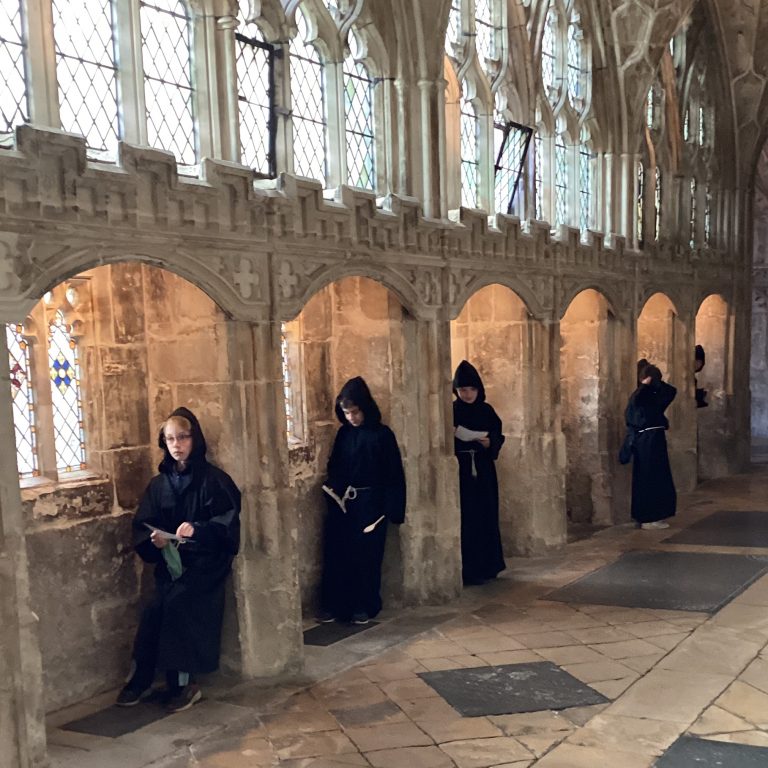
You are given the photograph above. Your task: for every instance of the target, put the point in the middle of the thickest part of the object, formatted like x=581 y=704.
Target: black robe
x=365 y=457
x=181 y=626
x=653 y=489
x=481 y=552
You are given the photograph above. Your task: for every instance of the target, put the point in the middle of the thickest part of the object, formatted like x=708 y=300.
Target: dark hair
x=356 y=392
x=653 y=372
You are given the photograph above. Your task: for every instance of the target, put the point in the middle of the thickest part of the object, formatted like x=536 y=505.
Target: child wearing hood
x=364 y=491
x=180 y=629
x=478 y=440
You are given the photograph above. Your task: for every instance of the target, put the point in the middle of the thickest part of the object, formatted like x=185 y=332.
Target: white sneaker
x=655 y=526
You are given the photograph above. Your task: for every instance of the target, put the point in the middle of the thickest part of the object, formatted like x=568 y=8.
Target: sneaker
x=360 y=618
x=184 y=698
x=130 y=697
x=325 y=617
x=655 y=526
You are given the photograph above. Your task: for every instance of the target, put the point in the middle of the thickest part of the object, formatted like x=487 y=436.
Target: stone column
x=427 y=145
x=226 y=74
x=22 y=718
x=253 y=445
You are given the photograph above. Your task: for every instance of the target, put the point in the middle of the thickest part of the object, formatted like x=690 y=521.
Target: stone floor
x=663 y=674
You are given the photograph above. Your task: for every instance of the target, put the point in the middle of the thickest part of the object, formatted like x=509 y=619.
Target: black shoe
x=130 y=696
x=360 y=618
x=324 y=617
x=184 y=698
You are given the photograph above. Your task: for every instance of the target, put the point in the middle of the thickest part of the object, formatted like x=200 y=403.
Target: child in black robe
x=180 y=629
x=482 y=557
x=654 y=498
x=365 y=491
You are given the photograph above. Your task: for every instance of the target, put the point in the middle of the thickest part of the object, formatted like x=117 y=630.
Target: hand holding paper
x=468 y=435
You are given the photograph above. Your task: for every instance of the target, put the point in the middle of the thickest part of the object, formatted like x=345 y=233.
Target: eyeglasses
x=177 y=439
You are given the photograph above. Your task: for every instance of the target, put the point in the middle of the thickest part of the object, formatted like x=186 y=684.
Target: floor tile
x=704 y=753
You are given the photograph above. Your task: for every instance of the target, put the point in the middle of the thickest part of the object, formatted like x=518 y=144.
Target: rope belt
x=472 y=453
x=648 y=429
x=349 y=495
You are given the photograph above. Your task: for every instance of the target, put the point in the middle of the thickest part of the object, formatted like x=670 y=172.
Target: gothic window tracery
x=13 y=87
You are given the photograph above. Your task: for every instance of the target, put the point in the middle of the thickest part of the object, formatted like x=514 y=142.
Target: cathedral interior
x=236 y=208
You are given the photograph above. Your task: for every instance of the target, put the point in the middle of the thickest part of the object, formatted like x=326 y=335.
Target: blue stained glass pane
x=68 y=433
x=22 y=401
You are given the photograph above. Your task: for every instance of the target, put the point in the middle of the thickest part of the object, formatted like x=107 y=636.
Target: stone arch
x=520 y=289
x=609 y=293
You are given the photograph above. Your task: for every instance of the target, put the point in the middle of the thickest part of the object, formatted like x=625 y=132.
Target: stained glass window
x=692 y=239
x=86 y=72
x=484 y=43
x=511 y=144
x=585 y=188
x=68 y=433
x=168 y=90
x=454 y=26
x=13 y=92
x=640 y=202
x=548 y=55
x=469 y=164
x=538 y=177
x=22 y=401
x=561 y=181
x=576 y=63
x=657 y=204
x=254 y=98
x=358 y=110
x=309 y=107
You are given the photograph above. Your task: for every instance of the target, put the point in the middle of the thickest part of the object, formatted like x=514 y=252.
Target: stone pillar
x=22 y=719
x=427 y=145
x=682 y=435
x=226 y=72
x=253 y=445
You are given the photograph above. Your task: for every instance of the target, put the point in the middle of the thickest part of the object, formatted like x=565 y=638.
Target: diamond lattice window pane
x=454 y=27
x=576 y=68
x=538 y=160
x=468 y=154
x=309 y=108
x=253 y=98
x=13 y=92
x=168 y=91
x=561 y=181
x=358 y=109
x=484 y=32
x=548 y=54
x=68 y=433
x=585 y=188
x=511 y=143
x=22 y=401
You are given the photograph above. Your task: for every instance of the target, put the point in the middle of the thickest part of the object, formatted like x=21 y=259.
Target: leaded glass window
x=687 y=125
x=576 y=63
x=469 y=164
x=657 y=204
x=511 y=144
x=22 y=401
x=309 y=107
x=692 y=238
x=538 y=176
x=702 y=127
x=86 y=72
x=287 y=381
x=255 y=89
x=585 y=188
x=561 y=181
x=640 y=202
x=650 y=109
x=708 y=217
x=484 y=43
x=358 y=110
x=13 y=91
x=168 y=89
x=548 y=55
x=454 y=26
x=68 y=433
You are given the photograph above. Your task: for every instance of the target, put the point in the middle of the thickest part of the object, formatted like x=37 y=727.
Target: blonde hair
x=179 y=421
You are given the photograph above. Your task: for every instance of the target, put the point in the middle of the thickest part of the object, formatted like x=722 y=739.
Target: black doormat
x=726 y=529
x=115 y=721
x=511 y=689
x=328 y=634
x=688 y=752
x=679 y=581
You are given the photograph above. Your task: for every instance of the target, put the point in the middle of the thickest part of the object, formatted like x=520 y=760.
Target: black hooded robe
x=180 y=629
x=366 y=458
x=653 y=490
x=482 y=556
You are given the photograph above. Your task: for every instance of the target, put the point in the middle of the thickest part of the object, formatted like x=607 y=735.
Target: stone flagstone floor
x=362 y=703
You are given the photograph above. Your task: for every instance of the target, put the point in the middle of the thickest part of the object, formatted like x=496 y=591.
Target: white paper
x=468 y=435
x=165 y=534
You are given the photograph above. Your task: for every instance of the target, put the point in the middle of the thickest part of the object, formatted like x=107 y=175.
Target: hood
x=466 y=375
x=357 y=392
x=199 y=447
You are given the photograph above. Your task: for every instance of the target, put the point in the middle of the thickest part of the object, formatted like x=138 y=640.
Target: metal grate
x=13 y=92
x=22 y=401
x=68 y=433
x=309 y=107
x=255 y=99
x=468 y=150
x=358 y=108
x=168 y=90
x=512 y=141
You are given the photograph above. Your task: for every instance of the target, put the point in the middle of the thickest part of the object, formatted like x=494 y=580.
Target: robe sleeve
x=666 y=394
x=393 y=478
x=334 y=469
x=494 y=434
x=221 y=501
x=147 y=513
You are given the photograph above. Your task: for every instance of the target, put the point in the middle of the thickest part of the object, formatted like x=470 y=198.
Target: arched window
x=650 y=109
x=640 y=234
x=484 y=31
x=453 y=33
x=657 y=204
x=549 y=55
x=86 y=72
x=22 y=401
x=702 y=137
x=687 y=124
x=309 y=116
x=561 y=181
x=358 y=110
x=69 y=436
x=469 y=164
x=13 y=91
x=168 y=89
x=576 y=63
x=708 y=217
x=255 y=99
x=511 y=145
x=692 y=238
x=585 y=186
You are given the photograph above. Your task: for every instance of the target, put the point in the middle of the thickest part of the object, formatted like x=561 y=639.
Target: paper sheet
x=165 y=534
x=468 y=435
